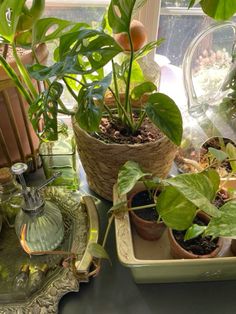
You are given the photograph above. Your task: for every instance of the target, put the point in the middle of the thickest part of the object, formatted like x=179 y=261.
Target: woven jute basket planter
x=18 y=141
x=102 y=161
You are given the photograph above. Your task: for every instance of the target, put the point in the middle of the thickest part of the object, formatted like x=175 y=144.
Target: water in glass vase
x=60 y=156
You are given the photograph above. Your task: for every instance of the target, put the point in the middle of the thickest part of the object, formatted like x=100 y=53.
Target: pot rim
x=186 y=253
x=163 y=138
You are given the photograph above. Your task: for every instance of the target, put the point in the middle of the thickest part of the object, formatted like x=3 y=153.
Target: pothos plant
x=80 y=60
x=182 y=197
x=177 y=202
x=22 y=26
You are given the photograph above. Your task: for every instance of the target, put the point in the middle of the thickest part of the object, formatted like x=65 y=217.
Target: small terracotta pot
x=177 y=251
x=233 y=246
x=146 y=229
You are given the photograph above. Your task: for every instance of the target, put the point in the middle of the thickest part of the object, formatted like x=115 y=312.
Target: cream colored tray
x=151 y=262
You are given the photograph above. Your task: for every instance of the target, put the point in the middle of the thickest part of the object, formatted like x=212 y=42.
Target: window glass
x=178 y=26
x=90 y=15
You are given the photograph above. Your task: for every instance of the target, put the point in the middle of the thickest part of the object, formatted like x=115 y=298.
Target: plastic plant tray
x=151 y=261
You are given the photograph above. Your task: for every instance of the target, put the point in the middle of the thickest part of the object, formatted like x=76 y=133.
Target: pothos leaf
x=98 y=251
x=175 y=210
x=165 y=114
x=141 y=89
x=198 y=189
x=128 y=176
x=194 y=231
x=231 y=151
x=225 y=225
x=214 y=177
x=218 y=154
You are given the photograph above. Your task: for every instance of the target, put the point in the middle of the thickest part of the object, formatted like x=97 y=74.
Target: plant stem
x=48 y=82
x=110 y=220
x=116 y=89
x=122 y=108
x=25 y=74
x=127 y=100
x=142 y=207
x=5 y=51
x=14 y=77
x=109 y=111
x=70 y=89
x=73 y=78
x=138 y=125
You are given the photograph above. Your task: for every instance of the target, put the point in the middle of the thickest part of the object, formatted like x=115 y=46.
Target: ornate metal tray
x=65 y=271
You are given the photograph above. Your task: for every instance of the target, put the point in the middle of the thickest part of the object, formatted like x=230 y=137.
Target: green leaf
x=46 y=106
x=15 y=79
x=10 y=11
x=86 y=50
x=88 y=114
x=165 y=114
x=98 y=251
x=193 y=3
x=153 y=183
x=118 y=208
x=142 y=52
x=214 y=177
x=128 y=176
x=42 y=72
x=198 y=189
x=218 y=154
x=219 y=9
x=52 y=28
x=225 y=225
x=120 y=13
x=175 y=210
x=231 y=151
x=141 y=89
x=194 y=231
x=29 y=16
x=90 y=101
x=24 y=39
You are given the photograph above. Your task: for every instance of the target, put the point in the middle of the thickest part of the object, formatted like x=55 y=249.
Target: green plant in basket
x=81 y=57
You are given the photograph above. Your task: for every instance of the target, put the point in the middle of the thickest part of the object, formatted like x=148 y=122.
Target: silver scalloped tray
x=81 y=228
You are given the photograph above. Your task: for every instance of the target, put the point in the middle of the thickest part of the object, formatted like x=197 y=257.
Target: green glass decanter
x=39 y=225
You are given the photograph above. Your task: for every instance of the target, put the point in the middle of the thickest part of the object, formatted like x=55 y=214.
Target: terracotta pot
x=18 y=141
x=177 y=251
x=233 y=246
x=102 y=161
x=146 y=229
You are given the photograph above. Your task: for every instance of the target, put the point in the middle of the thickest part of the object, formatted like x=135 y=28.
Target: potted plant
x=180 y=201
x=22 y=38
x=107 y=136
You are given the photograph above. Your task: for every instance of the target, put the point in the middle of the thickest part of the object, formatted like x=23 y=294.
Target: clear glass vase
x=209 y=69
x=61 y=156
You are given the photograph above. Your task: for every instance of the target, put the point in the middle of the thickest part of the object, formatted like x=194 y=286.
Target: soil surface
x=115 y=132
x=199 y=245
x=9 y=56
x=221 y=198
x=141 y=199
